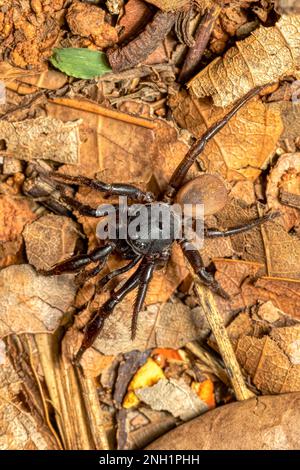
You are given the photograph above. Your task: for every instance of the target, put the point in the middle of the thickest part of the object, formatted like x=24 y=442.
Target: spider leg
x=75 y=263
x=198 y=147
x=118 y=189
x=96 y=323
x=197 y=264
x=117 y=272
x=145 y=280
x=214 y=233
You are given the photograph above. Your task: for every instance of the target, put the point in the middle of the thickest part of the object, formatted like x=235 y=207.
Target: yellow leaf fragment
x=149 y=374
x=267 y=55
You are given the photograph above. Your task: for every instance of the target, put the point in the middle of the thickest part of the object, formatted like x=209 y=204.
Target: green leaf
x=80 y=63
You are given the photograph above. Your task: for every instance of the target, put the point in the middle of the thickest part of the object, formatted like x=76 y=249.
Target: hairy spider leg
x=195 y=260
x=114 y=189
x=116 y=273
x=75 y=263
x=181 y=171
x=144 y=282
x=214 y=233
x=96 y=323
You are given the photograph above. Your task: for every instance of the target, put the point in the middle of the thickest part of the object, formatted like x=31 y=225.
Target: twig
x=195 y=53
x=83 y=105
x=144 y=44
x=215 y=321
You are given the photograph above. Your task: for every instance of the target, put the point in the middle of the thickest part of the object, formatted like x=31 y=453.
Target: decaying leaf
x=174 y=396
x=170 y=325
x=270 y=357
x=15 y=213
x=246 y=286
x=285 y=176
x=267 y=423
x=49 y=240
x=20 y=429
x=244 y=147
x=32 y=303
x=270 y=53
x=44 y=138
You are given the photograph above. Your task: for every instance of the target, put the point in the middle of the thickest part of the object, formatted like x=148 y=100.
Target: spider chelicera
x=148 y=253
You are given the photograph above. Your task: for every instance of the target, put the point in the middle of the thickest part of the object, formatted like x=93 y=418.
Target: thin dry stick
x=215 y=321
x=101 y=111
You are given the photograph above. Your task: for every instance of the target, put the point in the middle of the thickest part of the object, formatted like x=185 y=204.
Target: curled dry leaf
x=271 y=358
x=32 y=303
x=15 y=213
x=19 y=429
x=246 y=285
x=174 y=396
x=244 y=147
x=285 y=176
x=267 y=423
x=49 y=240
x=44 y=138
x=270 y=53
x=89 y=21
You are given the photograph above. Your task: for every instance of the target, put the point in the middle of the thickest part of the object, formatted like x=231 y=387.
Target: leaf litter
x=135 y=126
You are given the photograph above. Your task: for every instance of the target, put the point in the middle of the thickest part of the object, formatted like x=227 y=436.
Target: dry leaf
x=244 y=147
x=284 y=175
x=136 y=15
x=43 y=138
x=174 y=396
x=170 y=325
x=282 y=251
x=19 y=428
x=49 y=240
x=270 y=359
x=32 y=303
x=15 y=213
x=270 y=53
x=243 y=283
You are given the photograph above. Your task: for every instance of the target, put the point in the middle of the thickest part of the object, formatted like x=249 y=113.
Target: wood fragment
x=101 y=111
x=289 y=199
x=215 y=321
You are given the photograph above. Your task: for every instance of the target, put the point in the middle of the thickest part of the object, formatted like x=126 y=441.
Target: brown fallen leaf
x=22 y=423
x=282 y=251
x=245 y=284
x=26 y=140
x=174 y=396
x=270 y=53
x=284 y=176
x=15 y=213
x=271 y=358
x=32 y=303
x=244 y=147
x=170 y=325
x=49 y=240
x=136 y=15
x=267 y=423
x=290 y=116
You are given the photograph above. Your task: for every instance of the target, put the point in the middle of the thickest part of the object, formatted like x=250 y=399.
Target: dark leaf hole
x=3 y=145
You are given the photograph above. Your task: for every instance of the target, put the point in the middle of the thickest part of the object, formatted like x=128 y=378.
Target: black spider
x=149 y=251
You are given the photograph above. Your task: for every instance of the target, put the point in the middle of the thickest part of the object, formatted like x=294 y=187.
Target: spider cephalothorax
x=149 y=247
